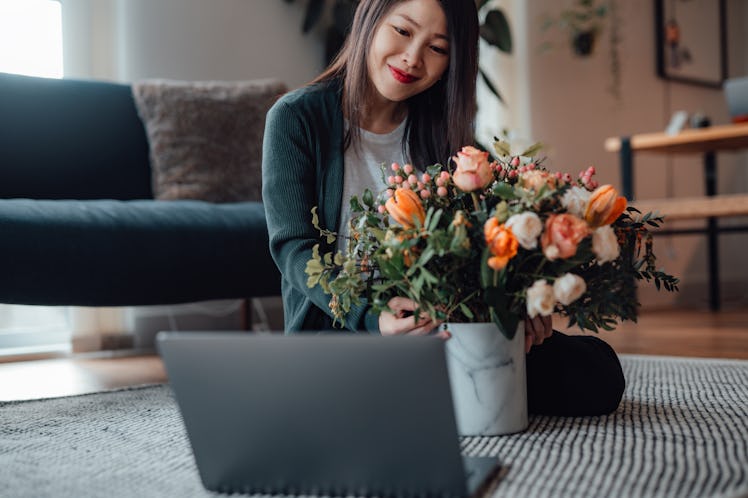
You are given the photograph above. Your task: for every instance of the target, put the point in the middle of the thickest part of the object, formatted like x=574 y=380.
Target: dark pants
x=573 y=375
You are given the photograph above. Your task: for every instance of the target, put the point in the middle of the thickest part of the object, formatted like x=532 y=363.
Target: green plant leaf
x=368 y=198
x=505 y=191
x=532 y=150
x=466 y=311
x=495 y=30
x=490 y=85
x=312 y=15
x=502 y=148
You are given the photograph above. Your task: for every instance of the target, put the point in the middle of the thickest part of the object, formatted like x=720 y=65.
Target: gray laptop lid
x=322 y=414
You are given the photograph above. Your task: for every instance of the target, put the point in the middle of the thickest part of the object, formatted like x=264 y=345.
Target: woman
x=402 y=89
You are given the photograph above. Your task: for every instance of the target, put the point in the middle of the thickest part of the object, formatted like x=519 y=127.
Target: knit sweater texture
x=303 y=167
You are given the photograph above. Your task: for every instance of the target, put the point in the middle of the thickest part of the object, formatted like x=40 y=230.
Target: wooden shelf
x=692 y=141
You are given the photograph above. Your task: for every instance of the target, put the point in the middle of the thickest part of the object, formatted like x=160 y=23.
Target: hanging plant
x=583 y=25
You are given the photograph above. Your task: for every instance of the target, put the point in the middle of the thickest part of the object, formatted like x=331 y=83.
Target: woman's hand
x=537 y=330
x=401 y=321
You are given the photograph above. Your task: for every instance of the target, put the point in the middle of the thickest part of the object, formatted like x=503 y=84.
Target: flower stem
x=476 y=202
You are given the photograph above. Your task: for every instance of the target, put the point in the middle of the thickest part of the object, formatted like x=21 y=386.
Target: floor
x=674 y=333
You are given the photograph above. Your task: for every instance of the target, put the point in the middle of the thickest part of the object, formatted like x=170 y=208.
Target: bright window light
x=31 y=37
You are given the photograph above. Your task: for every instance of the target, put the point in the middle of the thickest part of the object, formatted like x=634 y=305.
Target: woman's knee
x=574 y=375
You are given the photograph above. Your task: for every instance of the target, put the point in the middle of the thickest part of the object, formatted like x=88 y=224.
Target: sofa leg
x=247 y=314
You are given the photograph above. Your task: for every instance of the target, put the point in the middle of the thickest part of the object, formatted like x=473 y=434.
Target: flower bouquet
x=492 y=241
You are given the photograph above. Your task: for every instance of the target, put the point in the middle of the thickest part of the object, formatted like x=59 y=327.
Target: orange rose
x=604 y=206
x=562 y=235
x=501 y=242
x=405 y=207
x=473 y=170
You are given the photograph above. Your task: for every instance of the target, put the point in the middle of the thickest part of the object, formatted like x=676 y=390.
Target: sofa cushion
x=126 y=253
x=71 y=139
x=206 y=137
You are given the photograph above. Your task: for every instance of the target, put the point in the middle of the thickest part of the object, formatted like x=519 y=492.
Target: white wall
x=127 y=40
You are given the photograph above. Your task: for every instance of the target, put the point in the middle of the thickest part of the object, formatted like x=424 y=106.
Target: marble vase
x=488 y=379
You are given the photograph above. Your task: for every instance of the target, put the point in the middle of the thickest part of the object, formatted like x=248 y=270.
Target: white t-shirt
x=362 y=170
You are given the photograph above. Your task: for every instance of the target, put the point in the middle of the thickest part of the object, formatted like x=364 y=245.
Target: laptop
x=736 y=95
x=325 y=414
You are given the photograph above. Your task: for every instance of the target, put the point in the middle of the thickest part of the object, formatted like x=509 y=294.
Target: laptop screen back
x=323 y=414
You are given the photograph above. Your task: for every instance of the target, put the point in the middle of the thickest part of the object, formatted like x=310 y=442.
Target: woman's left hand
x=537 y=330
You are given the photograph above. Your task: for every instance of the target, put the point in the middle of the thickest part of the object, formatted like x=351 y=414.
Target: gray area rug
x=681 y=430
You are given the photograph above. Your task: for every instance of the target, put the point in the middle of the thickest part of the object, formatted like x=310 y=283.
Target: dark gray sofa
x=78 y=222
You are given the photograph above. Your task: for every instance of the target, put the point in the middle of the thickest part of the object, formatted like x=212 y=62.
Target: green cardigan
x=302 y=167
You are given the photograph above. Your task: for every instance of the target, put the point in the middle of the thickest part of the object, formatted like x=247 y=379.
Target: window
x=31 y=37
x=33 y=329
x=31 y=44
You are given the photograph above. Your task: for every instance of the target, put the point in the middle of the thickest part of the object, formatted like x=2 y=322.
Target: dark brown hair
x=440 y=119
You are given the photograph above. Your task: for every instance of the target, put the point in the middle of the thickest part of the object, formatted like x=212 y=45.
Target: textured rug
x=681 y=430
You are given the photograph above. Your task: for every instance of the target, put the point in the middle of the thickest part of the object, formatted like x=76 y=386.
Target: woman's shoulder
x=314 y=97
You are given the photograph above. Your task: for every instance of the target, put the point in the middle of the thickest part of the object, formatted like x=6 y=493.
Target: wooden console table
x=705 y=141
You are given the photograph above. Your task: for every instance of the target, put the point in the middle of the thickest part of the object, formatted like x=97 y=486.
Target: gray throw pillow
x=206 y=137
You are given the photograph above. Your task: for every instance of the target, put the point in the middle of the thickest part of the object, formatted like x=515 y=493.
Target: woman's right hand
x=400 y=321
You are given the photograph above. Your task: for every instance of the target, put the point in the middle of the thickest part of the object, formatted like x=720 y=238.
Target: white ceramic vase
x=488 y=379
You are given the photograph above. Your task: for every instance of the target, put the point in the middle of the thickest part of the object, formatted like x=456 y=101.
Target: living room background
x=558 y=97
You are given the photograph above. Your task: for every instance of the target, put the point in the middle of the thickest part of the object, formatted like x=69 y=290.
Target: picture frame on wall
x=691 y=41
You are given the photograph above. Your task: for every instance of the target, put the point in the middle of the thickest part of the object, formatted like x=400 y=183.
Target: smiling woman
x=31 y=37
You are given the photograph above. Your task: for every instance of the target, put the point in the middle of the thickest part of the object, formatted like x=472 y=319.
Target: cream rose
x=473 y=170
x=540 y=299
x=568 y=288
x=605 y=244
x=527 y=227
x=575 y=200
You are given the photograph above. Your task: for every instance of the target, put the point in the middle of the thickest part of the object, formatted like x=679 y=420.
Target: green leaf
x=429 y=277
x=532 y=150
x=495 y=30
x=490 y=85
x=313 y=13
x=506 y=321
x=355 y=205
x=502 y=148
x=505 y=191
x=368 y=198
x=466 y=311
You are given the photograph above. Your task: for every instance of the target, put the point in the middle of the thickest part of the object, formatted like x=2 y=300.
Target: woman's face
x=409 y=51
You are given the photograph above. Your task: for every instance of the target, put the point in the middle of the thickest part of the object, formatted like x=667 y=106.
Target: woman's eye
x=400 y=31
x=440 y=50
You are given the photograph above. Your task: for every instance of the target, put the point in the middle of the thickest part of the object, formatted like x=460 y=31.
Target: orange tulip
x=501 y=242
x=405 y=207
x=604 y=206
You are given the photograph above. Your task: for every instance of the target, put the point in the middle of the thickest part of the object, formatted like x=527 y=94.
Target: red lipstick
x=402 y=76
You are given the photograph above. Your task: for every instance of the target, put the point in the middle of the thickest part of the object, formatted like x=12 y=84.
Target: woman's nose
x=413 y=55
